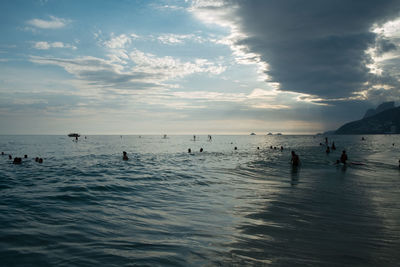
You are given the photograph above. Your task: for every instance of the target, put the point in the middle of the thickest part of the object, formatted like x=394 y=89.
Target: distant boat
x=278 y=134
x=252 y=134
x=269 y=134
x=74 y=135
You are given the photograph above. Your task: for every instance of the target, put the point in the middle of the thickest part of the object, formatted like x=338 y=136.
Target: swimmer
x=17 y=160
x=258 y=148
x=194 y=138
x=326 y=140
x=125 y=156
x=25 y=156
x=333 y=146
x=275 y=147
x=9 y=157
x=189 y=150
x=40 y=161
x=295 y=159
x=235 y=148
x=2 y=153
x=362 y=139
x=201 y=149
x=343 y=157
x=328 y=150
x=36 y=159
x=281 y=148
x=270 y=147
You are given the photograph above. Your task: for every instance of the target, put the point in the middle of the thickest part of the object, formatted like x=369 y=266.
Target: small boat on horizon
x=252 y=134
x=74 y=135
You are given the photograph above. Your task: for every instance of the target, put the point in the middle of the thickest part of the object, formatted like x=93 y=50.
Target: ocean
x=85 y=206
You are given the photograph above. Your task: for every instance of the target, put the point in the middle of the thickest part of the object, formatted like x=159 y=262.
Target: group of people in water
x=295 y=160
x=18 y=160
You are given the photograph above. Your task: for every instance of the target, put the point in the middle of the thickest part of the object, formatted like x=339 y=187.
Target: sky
x=195 y=67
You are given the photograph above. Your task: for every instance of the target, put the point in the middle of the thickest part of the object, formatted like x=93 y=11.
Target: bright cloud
x=173 y=39
x=47 y=45
x=120 y=41
x=52 y=23
x=143 y=71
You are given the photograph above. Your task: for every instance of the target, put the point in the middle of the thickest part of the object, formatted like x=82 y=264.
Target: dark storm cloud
x=314 y=47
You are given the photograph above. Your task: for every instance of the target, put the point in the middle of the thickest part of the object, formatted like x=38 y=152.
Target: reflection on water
x=85 y=205
x=294 y=175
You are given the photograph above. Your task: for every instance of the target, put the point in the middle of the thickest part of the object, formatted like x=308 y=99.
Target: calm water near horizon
x=85 y=206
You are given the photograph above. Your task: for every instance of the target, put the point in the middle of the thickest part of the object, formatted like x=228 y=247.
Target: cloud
x=308 y=47
x=52 y=23
x=136 y=72
x=174 y=39
x=120 y=41
x=46 y=45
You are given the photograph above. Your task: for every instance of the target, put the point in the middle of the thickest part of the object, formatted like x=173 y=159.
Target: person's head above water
x=189 y=150
x=201 y=149
x=17 y=160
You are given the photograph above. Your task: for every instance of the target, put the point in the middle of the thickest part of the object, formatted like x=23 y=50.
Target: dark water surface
x=84 y=206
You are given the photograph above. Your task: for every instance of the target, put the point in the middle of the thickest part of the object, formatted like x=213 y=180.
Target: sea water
x=85 y=206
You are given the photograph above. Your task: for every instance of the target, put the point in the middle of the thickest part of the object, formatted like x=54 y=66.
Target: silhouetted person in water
x=194 y=138
x=270 y=147
x=295 y=159
x=9 y=157
x=40 y=161
x=125 y=156
x=343 y=157
x=17 y=160
x=281 y=148
x=258 y=148
x=275 y=147
x=2 y=153
x=363 y=139
x=189 y=150
x=235 y=147
x=37 y=159
x=328 y=150
x=25 y=156
x=76 y=138
x=326 y=140
x=333 y=146
x=201 y=149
